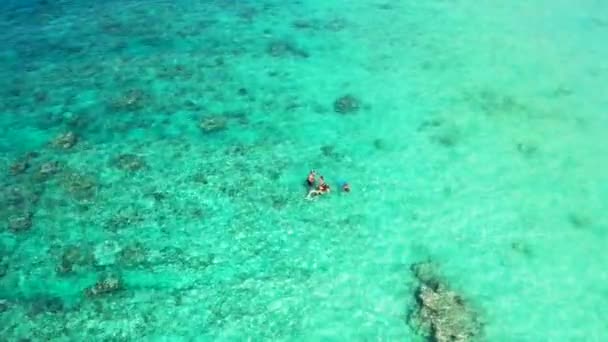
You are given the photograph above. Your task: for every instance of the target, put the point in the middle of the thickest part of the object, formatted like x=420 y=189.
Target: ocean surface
x=153 y=157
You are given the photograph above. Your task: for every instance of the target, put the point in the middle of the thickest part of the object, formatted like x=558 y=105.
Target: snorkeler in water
x=345 y=186
x=310 y=180
x=322 y=188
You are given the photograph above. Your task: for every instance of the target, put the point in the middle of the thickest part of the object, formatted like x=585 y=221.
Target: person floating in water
x=322 y=189
x=345 y=186
x=310 y=180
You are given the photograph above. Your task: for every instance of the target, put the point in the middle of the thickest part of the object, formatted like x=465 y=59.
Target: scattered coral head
x=19 y=167
x=48 y=169
x=72 y=257
x=282 y=49
x=132 y=255
x=20 y=223
x=105 y=285
x=213 y=124
x=441 y=314
x=347 y=104
x=131 y=100
x=80 y=186
x=65 y=140
x=128 y=162
x=22 y=164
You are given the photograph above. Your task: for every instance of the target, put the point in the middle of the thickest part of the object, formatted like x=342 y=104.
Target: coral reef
x=72 y=258
x=65 y=140
x=106 y=253
x=19 y=202
x=80 y=186
x=125 y=217
x=441 y=314
x=132 y=255
x=45 y=304
x=448 y=137
x=579 y=220
x=128 y=162
x=526 y=149
x=283 y=49
x=20 y=223
x=19 y=167
x=106 y=284
x=130 y=101
x=330 y=152
x=379 y=144
x=213 y=124
x=48 y=169
x=3 y=267
x=522 y=248
x=347 y=104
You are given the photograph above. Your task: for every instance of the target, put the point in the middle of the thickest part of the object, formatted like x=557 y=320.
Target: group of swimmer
x=322 y=188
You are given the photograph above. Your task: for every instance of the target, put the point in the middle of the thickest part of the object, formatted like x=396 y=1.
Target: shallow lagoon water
x=478 y=143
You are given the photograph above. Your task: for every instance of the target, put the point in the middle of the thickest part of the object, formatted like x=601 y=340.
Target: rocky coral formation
x=65 y=141
x=347 y=104
x=128 y=162
x=330 y=152
x=379 y=144
x=106 y=253
x=132 y=255
x=124 y=218
x=22 y=164
x=17 y=205
x=130 y=100
x=3 y=267
x=19 y=167
x=213 y=124
x=441 y=314
x=106 y=284
x=80 y=186
x=281 y=48
x=20 y=223
x=48 y=169
x=45 y=304
x=73 y=257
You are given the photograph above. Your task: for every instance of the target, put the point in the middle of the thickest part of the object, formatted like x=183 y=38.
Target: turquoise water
x=477 y=142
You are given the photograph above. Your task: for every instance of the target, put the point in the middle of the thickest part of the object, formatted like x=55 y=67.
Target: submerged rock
x=45 y=304
x=526 y=149
x=128 y=162
x=130 y=100
x=282 y=49
x=20 y=223
x=22 y=164
x=330 y=152
x=3 y=268
x=124 y=218
x=48 y=169
x=65 y=141
x=19 y=167
x=80 y=186
x=73 y=257
x=106 y=253
x=379 y=144
x=17 y=207
x=213 y=124
x=105 y=285
x=347 y=104
x=441 y=314
x=132 y=255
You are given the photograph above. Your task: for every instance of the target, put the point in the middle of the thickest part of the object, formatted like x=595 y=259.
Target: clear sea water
x=479 y=143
